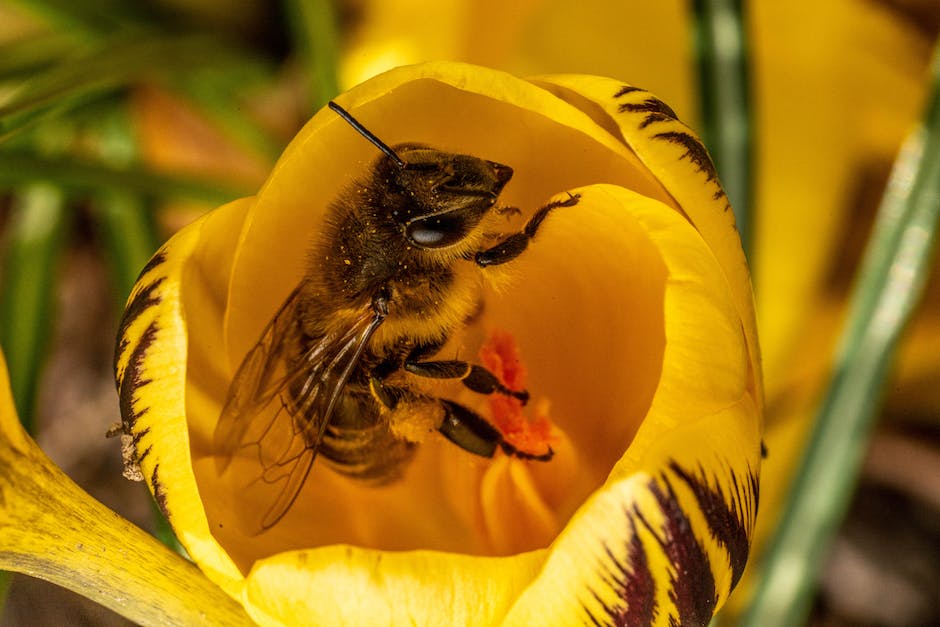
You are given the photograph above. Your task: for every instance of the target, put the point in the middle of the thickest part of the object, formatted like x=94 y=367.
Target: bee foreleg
x=515 y=244
x=474 y=377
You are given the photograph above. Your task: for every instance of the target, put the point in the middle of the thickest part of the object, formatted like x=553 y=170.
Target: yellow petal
x=680 y=161
x=152 y=367
x=689 y=477
x=51 y=529
x=343 y=585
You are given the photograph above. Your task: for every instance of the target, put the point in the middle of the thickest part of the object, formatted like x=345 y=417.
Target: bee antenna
x=378 y=143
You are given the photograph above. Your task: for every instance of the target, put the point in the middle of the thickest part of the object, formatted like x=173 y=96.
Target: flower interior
x=577 y=319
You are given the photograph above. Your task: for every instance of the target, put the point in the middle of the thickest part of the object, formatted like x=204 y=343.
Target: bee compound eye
x=437 y=231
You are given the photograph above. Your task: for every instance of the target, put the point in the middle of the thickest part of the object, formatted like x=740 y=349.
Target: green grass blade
x=121 y=215
x=721 y=50
x=114 y=63
x=313 y=26
x=34 y=241
x=19 y=166
x=211 y=93
x=22 y=57
x=128 y=234
x=891 y=281
x=91 y=17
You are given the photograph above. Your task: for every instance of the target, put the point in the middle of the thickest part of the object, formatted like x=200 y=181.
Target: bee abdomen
x=360 y=444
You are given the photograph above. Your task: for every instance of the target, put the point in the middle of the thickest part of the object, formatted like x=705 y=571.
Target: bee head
x=444 y=195
x=438 y=198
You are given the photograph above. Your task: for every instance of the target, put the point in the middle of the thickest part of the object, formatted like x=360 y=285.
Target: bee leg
x=388 y=395
x=515 y=244
x=471 y=432
x=461 y=425
x=474 y=377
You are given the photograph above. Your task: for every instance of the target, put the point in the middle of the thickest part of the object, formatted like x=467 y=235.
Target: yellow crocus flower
x=632 y=311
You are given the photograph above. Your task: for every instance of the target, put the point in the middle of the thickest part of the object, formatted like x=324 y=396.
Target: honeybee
x=394 y=273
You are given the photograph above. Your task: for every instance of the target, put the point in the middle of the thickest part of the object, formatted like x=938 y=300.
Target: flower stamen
x=531 y=434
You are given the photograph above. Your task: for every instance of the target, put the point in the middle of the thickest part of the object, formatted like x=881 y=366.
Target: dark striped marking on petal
x=131 y=350
x=158 y=259
x=656 y=110
x=144 y=298
x=695 y=152
x=139 y=435
x=635 y=583
x=133 y=379
x=130 y=381
x=627 y=89
x=140 y=456
x=692 y=582
x=730 y=517
x=159 y=491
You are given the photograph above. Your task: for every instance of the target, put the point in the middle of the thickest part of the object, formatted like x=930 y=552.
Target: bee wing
x=280 y=402
x=262 y=375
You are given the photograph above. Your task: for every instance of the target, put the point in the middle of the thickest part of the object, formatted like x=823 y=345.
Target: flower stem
x=891 y=281
x=721 y=50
